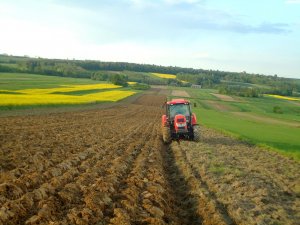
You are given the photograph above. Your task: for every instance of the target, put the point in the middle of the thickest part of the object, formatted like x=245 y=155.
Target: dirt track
x=109 y=166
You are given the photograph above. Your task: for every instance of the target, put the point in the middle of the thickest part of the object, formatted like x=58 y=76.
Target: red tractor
x=179 y=121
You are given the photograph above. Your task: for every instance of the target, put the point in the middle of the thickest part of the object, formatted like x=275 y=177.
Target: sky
x=257 y=36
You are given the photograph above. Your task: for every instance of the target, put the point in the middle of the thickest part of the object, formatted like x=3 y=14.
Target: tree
x=119 y=79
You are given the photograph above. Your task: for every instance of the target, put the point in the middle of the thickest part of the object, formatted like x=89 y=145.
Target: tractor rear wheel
x=166 y=135
x=196 y=132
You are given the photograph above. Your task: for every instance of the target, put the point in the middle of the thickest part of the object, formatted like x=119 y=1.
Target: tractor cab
x=179 y=121
x=175 y=108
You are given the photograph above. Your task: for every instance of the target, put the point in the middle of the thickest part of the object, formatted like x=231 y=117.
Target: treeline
x=206 y=80
x=60 y=67
x=241 y=91
x=284 y=88
x=47 y=68
x=243 y=84
x=139 y=73
x=104 y=71
x=130 y=76
x=118 y=79
x=252 y=91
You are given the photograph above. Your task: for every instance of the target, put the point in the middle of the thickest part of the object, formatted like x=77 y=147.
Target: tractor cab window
x=179 y=109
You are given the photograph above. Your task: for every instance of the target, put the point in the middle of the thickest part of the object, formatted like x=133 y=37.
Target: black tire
x=166 y=135
x=196 y=132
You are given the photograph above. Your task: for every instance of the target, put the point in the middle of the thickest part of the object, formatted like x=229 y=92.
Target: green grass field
x=17 y=81
x=251 y=119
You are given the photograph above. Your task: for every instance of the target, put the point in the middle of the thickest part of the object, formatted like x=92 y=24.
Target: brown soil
x=219 y=106
x=109 y=166
x=159 y=86
x=180 y=93
x=164 y=92
x=224 y=97
x=236 y=183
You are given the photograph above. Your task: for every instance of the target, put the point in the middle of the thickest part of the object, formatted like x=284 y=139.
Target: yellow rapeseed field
x=68 y=88
x=132 y=82
x=284 y=97
x=183 y=81
x=57 y=96
x=164 y=75
x=167 y=76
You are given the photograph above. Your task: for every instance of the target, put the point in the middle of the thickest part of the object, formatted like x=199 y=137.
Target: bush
x=277 y=109
x=119 y=79
x=139 y=86
x=239 y=90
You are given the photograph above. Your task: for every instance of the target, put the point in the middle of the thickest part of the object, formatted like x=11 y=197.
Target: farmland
x=109 y=166
x=284 y=97
x=35 y=90
x=136 y=112
x=15 y=81
x=165 y=76
x=251 y=119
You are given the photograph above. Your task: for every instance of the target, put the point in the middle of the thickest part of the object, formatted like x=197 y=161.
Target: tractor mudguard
x=194 y=119
x=164 y=121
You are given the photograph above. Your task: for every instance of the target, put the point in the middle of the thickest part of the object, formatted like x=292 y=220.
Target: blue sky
x=233 y=35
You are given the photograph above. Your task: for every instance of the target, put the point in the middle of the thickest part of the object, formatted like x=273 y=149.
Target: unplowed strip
x=243 y=184
x=209 y=208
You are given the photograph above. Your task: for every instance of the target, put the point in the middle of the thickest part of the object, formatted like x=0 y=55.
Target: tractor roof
x=178 y=101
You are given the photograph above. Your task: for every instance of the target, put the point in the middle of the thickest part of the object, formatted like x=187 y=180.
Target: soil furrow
x=187 y=207
x=221 y=208
x=240 y=175
x=109 y=166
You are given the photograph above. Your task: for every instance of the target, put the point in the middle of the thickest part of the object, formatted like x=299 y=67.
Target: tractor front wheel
x=196 y=132
x=166 y=135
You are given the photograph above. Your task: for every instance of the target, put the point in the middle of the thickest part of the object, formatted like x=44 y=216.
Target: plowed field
x=109 y=166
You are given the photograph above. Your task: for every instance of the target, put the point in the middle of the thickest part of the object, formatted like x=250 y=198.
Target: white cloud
x=35 y=39
x=167 y=32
